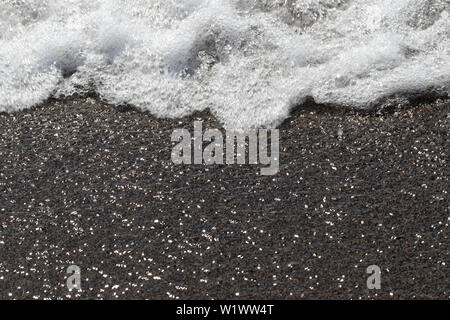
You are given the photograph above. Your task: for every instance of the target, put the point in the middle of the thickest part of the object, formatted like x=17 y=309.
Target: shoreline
x=90 y=184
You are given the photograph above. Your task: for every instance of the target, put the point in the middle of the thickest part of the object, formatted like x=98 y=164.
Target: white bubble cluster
x=248 y=61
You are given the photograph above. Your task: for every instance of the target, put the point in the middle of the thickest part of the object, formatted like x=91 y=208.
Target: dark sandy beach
x=85 y=183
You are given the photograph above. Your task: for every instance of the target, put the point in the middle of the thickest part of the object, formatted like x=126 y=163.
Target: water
x=248 y=61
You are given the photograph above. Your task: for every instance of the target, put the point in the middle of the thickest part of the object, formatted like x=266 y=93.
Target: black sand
x=89 y=184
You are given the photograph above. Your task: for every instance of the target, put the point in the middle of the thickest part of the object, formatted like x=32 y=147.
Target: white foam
x=249 y=61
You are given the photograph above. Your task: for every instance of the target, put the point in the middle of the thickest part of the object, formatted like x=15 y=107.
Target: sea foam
x=248 y=61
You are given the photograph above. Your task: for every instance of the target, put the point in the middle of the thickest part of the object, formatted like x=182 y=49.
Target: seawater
x=248 y=61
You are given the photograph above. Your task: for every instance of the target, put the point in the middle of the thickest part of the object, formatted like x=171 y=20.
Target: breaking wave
x=248 y=61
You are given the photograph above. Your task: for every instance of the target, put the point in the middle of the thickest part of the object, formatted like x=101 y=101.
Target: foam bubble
x=249 y=61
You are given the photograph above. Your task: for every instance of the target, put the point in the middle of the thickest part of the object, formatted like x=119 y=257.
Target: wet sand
x=85 y=183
